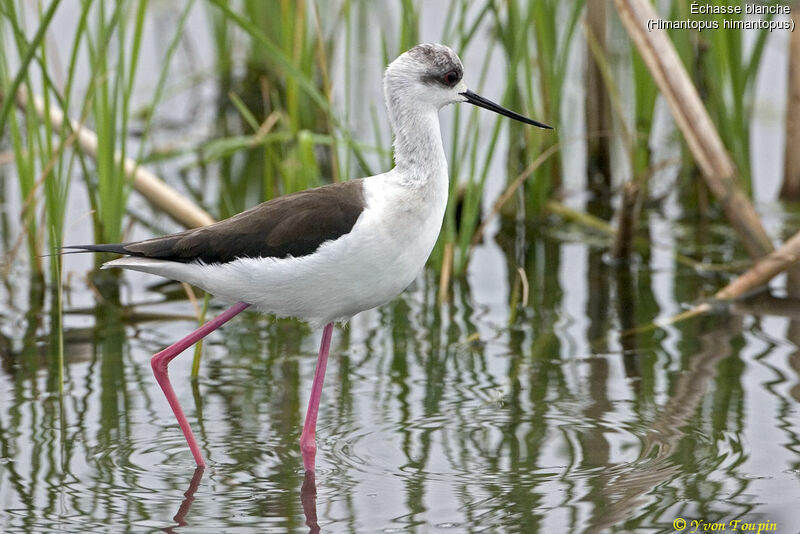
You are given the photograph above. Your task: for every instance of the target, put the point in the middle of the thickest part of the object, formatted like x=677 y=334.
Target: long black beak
x=485 y=103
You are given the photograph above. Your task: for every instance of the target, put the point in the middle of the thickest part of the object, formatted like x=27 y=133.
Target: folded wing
x=292 y=225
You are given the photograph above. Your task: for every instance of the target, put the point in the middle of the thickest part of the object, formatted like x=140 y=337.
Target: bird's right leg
x=161 y=360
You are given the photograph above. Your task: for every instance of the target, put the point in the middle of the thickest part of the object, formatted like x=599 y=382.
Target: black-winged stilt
x=325 y=254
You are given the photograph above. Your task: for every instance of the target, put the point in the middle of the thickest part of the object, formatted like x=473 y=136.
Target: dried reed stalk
x=689 y=113
x=763 y=271
x=150 y=186
x=790 y=190
x=755 y=277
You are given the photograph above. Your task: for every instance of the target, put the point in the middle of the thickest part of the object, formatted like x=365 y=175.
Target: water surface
x=434 y=418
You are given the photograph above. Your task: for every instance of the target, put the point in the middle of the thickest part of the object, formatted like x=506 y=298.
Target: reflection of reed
x=789 y=307
x=36 y=352
x=627 y=315
x=765 y=304
x=793 y=333
x=626 y=486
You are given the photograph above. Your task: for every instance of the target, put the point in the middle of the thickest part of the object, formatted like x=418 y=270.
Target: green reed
x=46 y=149
x=645 y=93
x=109 y=100
x=22 y=139
x=556 y=24
x=472 y=150
x=278 y=128
x=43 y=175
x=472 y=154
x=282 y=100
x=46 y=156
x=725 y=73
x=535 y=39
x=533 y=49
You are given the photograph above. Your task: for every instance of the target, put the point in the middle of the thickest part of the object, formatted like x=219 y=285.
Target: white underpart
x=385 y=250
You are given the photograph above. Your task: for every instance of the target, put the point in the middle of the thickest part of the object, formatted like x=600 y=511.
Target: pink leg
x=160 y=361
x=308 y=444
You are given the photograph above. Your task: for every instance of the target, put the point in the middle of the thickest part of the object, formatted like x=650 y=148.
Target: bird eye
x=450 y=78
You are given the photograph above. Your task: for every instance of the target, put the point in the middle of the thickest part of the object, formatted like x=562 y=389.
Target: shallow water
x=433 y=418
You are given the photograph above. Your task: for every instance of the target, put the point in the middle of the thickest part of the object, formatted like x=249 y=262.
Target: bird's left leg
x=160 y=361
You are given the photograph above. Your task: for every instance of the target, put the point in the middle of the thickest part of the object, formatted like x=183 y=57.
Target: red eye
x=451 y=78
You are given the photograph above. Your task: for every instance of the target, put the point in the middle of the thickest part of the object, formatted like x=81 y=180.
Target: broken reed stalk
x=790 y=190
x=689 y=113
x=627 y=217
x=757 y=276
x=763 y=271
x=155 y=190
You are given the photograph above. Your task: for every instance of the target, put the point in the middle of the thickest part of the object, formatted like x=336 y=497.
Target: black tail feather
x=118 y=248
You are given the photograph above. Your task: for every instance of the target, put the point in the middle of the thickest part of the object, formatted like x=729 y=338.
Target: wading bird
x=325 y=254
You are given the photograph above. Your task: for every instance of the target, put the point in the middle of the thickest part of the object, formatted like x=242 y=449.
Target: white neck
x=418 y=151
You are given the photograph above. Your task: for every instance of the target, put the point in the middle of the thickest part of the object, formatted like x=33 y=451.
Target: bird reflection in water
x=188 y=498
x=308 y=500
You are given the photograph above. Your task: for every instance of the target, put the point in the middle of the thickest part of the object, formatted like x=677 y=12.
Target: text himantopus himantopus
x=325 y=254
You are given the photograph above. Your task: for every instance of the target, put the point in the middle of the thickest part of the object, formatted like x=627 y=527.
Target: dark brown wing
x=292 y=225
